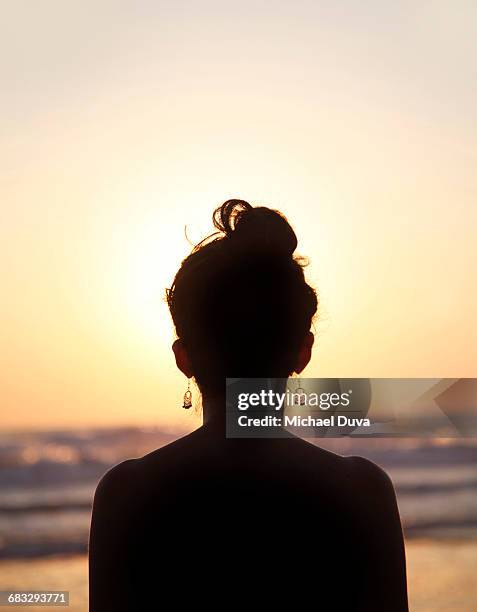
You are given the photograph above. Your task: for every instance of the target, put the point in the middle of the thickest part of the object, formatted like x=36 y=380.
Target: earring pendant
x=187 y=397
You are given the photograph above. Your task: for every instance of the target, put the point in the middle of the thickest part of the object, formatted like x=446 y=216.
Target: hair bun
x=258 y=228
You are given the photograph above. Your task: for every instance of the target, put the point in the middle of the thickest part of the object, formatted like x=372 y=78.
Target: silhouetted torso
x=208 y=520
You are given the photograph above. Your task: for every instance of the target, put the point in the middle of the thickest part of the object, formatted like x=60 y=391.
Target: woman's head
x=240 y=303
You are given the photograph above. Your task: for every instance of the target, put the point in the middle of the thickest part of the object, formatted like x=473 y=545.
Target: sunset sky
x=124 y=122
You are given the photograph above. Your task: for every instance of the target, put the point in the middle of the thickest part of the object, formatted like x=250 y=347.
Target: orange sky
x=123 y=124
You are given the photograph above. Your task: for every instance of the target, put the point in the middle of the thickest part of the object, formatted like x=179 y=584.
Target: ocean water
x=47 y=482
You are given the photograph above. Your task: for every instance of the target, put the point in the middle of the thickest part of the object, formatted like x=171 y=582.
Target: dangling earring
x=302 y=393
x=187 y=397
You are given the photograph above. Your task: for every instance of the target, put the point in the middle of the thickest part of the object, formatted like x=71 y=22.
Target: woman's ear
x=304 y=354
x=182 y=358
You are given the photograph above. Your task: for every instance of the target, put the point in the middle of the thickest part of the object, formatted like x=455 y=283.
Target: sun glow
x=115 y=146
x=150 y=259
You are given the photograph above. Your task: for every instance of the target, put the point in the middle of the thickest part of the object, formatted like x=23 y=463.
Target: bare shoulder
x=367 y=472
x=117 y=484
x=130 y=478
x=351 y=472
x=372 y=487
x=353 y=466
x=182 y=447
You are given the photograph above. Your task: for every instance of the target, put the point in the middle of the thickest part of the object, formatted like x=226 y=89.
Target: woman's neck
x=214 y=410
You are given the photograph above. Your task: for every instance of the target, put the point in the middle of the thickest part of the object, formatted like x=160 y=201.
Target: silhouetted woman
x=210 y=521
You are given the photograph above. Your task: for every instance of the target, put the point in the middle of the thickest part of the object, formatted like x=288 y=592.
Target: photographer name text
x=305 y=421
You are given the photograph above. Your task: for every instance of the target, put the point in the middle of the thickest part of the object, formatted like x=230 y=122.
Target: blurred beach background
x=123 y=126
x=47 y=480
